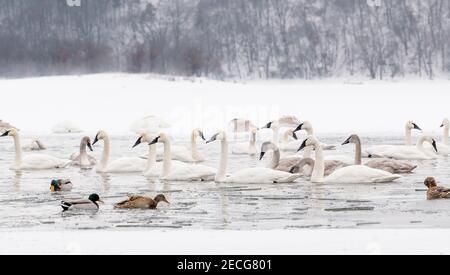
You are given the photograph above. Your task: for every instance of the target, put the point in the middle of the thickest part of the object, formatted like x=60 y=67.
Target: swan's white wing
x=262 y=175
x=154 y=171
x=360 y=174
x=42 y=162
x=126 y=165
x=190 y=172
x=377 y=151
x=179 y=153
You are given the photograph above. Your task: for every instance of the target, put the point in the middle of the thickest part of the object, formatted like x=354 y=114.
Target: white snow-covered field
x=114 y=101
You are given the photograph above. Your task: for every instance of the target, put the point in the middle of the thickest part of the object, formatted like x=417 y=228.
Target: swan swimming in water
x=83 y=159
x=122 y=165
x=404 y=152
x=249 y=175
x=389 y=165
x=33 y=161
x=248 y=148
x=35 y=145
x=443 y=147
x=153 y=168
x=349 y=174
x=288 y=145
x=275 y=127
x=180 y=171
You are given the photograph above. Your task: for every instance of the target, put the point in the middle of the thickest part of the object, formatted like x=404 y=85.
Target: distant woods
x=221 y=39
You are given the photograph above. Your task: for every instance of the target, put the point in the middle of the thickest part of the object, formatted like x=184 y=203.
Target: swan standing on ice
x=374 y=151
x=248 y=148
x=388 y=165
x=180 y=171
x=403 y=152
x=83 y=159
x=349 y=174
x=249 y=175
x=307 y=126
x=152 y=168
x=33 y=161
x=122 y=165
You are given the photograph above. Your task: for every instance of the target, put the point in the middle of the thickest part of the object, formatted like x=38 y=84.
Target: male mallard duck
x=436 y=192
x=90 y=204
x=141 y=202
x=61 y=185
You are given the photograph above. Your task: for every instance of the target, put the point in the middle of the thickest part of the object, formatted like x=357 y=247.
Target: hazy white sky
x=113 y=102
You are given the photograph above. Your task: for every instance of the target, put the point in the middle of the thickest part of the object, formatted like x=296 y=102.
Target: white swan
x=122 y=165
x=152 y=168
x=34 y=145
x=403 y=152
x=180 y=171
x=34 y=161
x=83 y=159
x=307 y=126
x=286 y=143
x=275 y=127
x=249 y=175
x=247 y=148
x=349 y=174
x=443 y=147
x=389 y=165
x=373 y=151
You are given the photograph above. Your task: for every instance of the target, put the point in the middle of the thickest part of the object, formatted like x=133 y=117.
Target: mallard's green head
x=54 y=186
x=95 y=198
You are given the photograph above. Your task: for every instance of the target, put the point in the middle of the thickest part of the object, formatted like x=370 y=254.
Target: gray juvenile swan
x=83 y=159
x=388 y=165
x=278 y=163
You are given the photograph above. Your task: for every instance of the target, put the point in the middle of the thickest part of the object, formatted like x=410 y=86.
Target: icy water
x=27 y=204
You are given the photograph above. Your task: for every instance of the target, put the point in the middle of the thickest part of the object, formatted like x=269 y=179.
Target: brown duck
x=141 y=202
x=434 y=191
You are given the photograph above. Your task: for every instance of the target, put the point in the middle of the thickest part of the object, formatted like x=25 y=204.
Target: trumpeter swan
x=349 y=174
x=249 y=175
x=121 y=165
x=443 y=147
x=33 y=161
x=404 y=152
x=83 y=159
x=389 y=165
x=152 y=168
x=180 y=171
x=307 y=126
x=247 y=148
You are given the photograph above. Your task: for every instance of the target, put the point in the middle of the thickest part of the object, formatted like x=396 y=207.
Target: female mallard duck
x=434 y=191
x=141 y=202
x=90 y=204
x=61 y=185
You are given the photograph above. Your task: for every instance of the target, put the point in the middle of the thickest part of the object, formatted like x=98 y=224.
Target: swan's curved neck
x=105 y=155
x=358 y=149
x=194 y=149
x=18 y=150
x=275 y=158
x=151 y=160
x=319 y=165
x=408 y=138
x=286 y=137
x=167 y=161
x=420 y=143
x=83 y=149
x=222 y=173
x=309 y=131
x=445 y=136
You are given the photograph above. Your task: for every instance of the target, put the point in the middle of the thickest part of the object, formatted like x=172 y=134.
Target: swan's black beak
x=95 y=140
x=139 y=141
x=156 y=140
x=416 y=127
x=90 y=146
x=435 y=145
x=261 y=156
x=268 y=126
x=294 y=135
x=347 y=141
x=202 y=136
x=212 y=139
x=303 y=146
x=299 y=128
x=5 y=134
x=442 y=125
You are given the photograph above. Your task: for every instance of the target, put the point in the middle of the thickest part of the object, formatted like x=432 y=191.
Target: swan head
x=290 y=133
x=266 y=147
x=198 y=133
x=86 y=141
x=101 y=135
x=95 y=198
x=162 y=138
x=161 y=198
x=271 y=125
x=430 y=182
x=143 y=138
x=305 y=126
x=445 y=123
x=220 y=136
x=352 y=139
x=411 y=125
x=10 y=133
x=430 y=140
x=310 y=141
